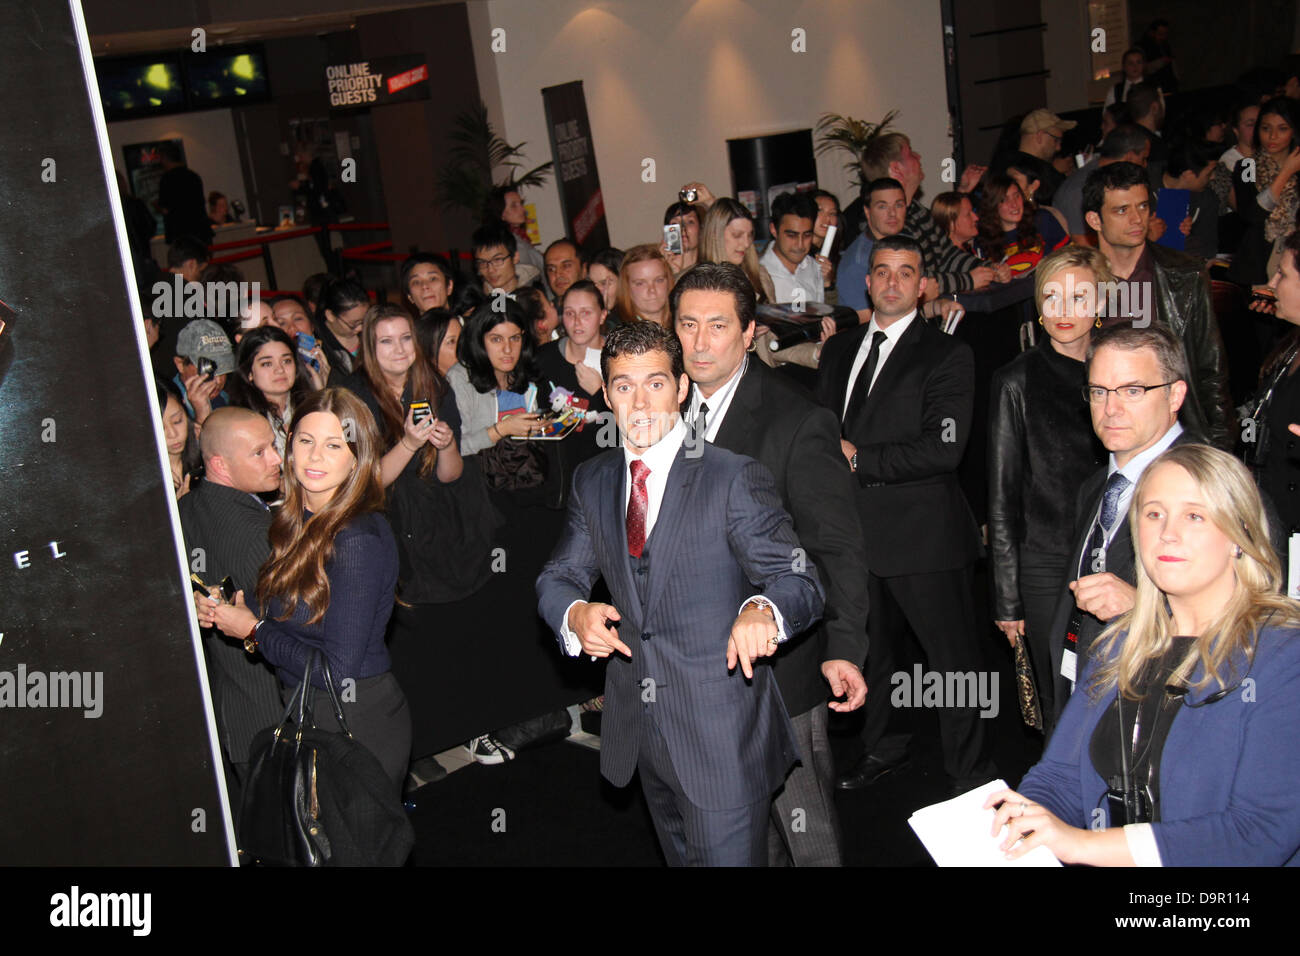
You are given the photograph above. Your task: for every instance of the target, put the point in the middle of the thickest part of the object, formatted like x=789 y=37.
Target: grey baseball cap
x=203 y=338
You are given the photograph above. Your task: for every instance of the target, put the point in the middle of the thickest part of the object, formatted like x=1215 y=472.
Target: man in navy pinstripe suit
x=707 y=578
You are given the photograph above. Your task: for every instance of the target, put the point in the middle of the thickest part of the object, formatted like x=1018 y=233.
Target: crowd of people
x=1034 y=370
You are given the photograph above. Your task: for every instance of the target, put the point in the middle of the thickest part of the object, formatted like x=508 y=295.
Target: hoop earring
x=1040 y=321
x=1098 y=322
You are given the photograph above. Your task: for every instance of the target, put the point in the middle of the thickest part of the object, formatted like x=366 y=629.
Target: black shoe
x=869 y=769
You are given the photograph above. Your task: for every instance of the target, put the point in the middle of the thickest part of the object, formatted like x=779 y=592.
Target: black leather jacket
x=1041 y=447
x=1183 y=303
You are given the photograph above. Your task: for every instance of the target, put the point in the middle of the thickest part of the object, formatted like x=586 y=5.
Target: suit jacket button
x=1290 y=486
x=646 y=636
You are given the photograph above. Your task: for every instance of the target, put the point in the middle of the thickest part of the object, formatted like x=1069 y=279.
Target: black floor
x=550 y=807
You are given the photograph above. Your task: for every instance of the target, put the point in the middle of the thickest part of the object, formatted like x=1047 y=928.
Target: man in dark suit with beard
x=747 y=408
x=904 y=392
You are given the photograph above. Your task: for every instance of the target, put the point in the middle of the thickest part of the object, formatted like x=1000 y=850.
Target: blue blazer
x=721 y=536
x=1229 y=775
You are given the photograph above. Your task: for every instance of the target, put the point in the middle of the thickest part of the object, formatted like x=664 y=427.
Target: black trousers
x=378 y=717
x=1041 y=578
x=939 y=607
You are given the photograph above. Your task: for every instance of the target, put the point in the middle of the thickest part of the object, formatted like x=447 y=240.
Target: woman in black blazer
x=1041 y=446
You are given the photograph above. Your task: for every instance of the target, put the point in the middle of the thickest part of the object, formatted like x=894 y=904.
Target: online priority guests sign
x=377 y=82
x=107 y=753
x=574 y=156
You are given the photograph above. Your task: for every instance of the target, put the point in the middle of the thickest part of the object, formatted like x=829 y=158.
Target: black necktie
x=863 y=385
x=702 y=421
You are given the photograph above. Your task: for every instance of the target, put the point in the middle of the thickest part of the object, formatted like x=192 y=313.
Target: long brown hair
x=647 y=252
x=300 y=549
x=426 y=382
x=992 y=237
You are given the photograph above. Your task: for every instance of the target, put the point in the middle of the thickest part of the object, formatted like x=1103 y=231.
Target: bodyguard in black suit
x=701 y=563
x=1137 y=382
x=225 y=527
x=904 y=392
x=747 y=408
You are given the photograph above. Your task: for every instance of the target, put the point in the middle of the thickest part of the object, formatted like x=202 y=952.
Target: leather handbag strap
x=334 y=697
x=315 y=658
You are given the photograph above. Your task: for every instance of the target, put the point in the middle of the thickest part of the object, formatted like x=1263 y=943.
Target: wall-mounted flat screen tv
x=227 y=76
x=135 y=86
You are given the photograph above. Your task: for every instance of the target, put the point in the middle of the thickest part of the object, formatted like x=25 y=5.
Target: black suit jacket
x=1121 y=561
x=230 y=528
x=910 y=434
x=780 y=426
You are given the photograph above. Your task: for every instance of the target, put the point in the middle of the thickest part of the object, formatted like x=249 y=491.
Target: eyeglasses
x=1128 y=394
x=495 y=261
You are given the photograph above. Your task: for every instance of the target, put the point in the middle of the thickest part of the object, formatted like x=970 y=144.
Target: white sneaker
x=488 y=750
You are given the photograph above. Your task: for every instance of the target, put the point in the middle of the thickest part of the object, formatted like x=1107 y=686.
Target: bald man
x=225 y=525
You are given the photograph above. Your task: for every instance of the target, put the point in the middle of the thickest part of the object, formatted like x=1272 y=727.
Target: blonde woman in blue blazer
x=1179 y=744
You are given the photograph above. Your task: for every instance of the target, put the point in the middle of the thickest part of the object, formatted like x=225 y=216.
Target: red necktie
x=637 y=505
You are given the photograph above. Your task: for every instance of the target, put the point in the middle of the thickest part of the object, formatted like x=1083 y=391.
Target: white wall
x=674 y=79
x=210 y=146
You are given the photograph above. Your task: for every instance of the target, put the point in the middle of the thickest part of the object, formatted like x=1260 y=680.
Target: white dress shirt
x=1133 y=472
x=659 y=459
x=1128 y=88
x=718 y=403
x=892 y=334
x=807 y=276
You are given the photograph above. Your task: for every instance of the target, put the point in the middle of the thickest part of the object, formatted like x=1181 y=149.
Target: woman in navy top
x=1178 y=747
x=331 y=578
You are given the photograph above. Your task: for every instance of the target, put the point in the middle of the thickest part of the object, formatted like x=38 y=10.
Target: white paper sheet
x=956 y=832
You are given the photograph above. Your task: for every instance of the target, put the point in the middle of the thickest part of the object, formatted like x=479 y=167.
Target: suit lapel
x=746 y=407
x=895 y=365
x=672 y=510
x=845 y=369
x=1121 y=546
x=615 y=526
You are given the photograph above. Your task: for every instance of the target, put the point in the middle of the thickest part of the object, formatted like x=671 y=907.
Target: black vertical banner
x=106 y=731
x=575 y=165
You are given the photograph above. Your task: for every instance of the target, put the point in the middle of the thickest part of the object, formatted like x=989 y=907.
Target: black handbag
x=512 y=465
x=319 y=798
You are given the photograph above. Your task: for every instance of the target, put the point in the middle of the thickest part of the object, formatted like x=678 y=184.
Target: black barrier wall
x=106 y=752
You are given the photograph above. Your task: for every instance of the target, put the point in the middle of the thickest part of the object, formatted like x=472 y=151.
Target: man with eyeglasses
x=496 y=260
x=1137 y=381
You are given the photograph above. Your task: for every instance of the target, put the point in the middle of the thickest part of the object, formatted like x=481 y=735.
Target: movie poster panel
x=106 y=733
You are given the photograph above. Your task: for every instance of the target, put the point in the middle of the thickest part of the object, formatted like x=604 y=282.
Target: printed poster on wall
x=574 y=156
